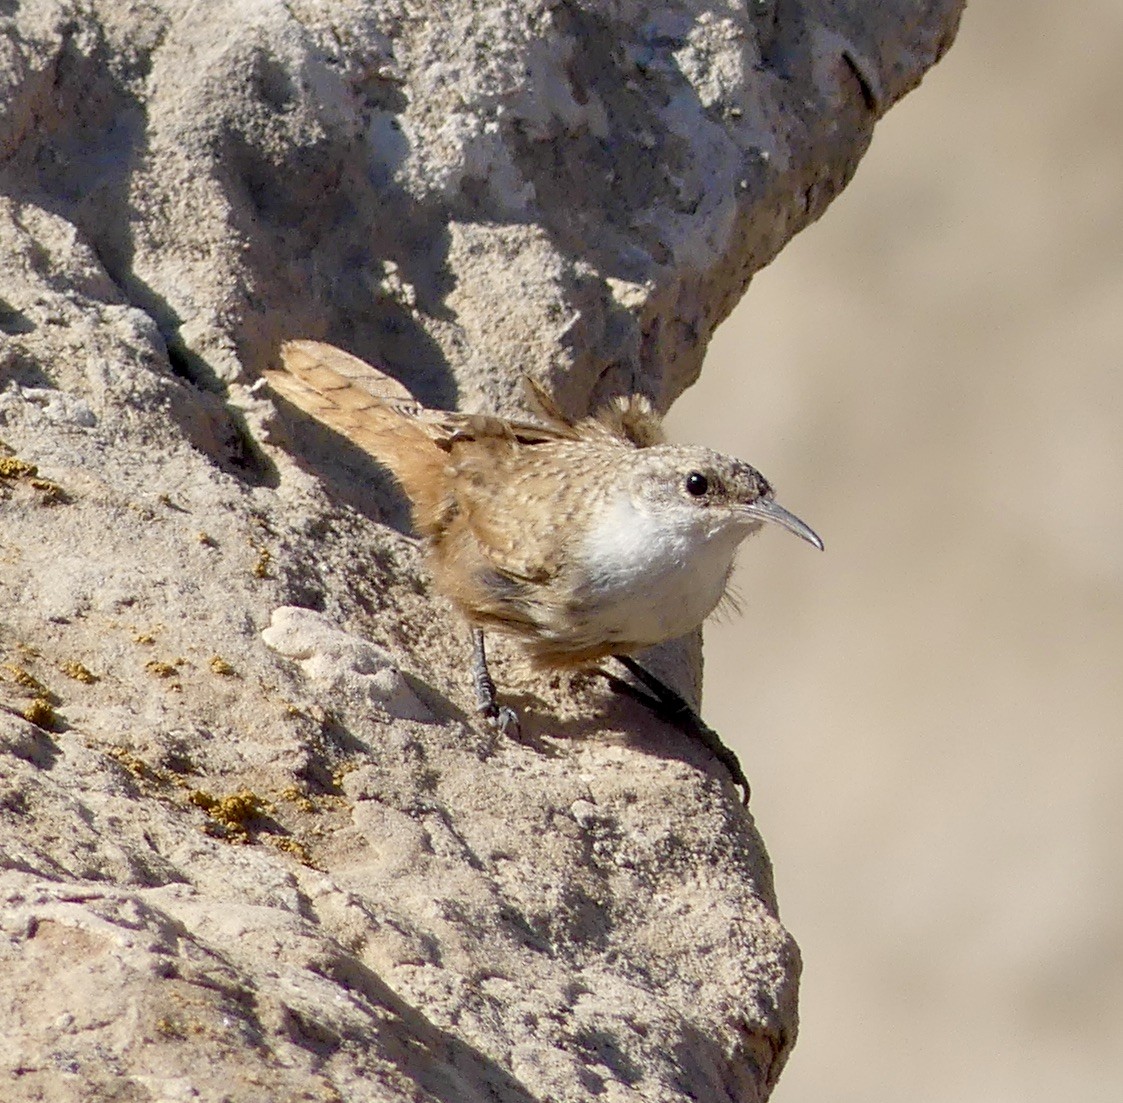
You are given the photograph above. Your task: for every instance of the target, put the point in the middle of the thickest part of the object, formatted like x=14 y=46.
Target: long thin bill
x=768 y=510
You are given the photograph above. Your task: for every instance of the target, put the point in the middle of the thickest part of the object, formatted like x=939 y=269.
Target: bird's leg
x=674 y=708
x=505 y=720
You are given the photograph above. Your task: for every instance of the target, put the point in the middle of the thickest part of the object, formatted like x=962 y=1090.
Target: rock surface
x=253 y=843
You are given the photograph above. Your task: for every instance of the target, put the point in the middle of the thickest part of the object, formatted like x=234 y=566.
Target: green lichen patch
x=41 y=713
x=24 y=678
x=161 y=669
x=136 y=765
x=220 y=666
x=50 y=493
x=263 y=565
x=294 y=847
x=12 y=467
x=231 y=813
x=293 y=794
x=78 y=672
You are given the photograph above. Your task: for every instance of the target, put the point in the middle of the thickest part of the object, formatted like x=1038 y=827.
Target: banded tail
x=373 y=411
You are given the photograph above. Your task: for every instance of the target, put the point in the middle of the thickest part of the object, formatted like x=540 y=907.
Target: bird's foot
x=672 y=707
x=502 y=719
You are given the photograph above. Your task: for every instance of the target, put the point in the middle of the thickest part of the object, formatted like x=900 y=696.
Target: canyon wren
x=580 y=539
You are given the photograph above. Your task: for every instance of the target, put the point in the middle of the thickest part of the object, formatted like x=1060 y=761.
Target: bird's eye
x=696 y=484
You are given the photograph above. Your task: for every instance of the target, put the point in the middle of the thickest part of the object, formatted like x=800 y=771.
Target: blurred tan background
x=931 y=713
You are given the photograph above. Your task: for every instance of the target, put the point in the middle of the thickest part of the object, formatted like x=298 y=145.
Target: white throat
x=650 y=575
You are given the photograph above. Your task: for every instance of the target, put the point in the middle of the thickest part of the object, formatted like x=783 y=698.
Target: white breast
x=651 y=577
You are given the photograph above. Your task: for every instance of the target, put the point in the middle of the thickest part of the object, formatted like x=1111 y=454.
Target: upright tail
x=371 y=410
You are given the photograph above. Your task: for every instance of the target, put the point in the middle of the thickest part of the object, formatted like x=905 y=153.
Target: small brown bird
x=580 y=539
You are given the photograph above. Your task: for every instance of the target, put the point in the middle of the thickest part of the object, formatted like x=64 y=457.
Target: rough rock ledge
x=252 y=843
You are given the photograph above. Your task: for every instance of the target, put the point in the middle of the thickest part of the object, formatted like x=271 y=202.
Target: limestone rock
x=343 y=664
x=255 y=854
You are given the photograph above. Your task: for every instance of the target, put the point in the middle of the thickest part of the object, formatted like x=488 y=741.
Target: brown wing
x=336 y=388
x=380 y=415
x=472 y=478
x=629 y=419
x=520 y=514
